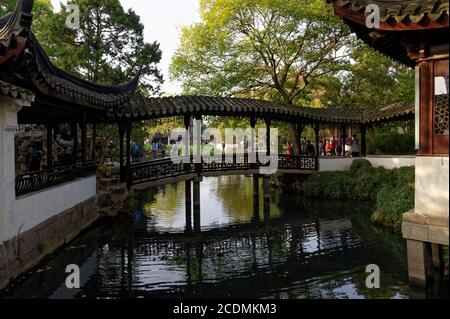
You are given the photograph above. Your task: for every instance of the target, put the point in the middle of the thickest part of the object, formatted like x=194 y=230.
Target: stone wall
x=432 y=186
x=27 y=249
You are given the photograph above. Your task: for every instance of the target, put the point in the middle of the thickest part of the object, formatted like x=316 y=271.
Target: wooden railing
x=155 y=170
x=35 y=181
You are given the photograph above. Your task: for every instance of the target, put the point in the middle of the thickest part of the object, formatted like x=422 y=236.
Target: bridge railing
x=35 y=181
x=155 y=170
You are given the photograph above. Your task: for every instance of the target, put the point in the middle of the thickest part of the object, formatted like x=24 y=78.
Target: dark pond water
x=305 y=250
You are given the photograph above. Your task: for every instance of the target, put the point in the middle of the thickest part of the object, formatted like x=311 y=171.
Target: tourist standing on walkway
x=34 y=158
x=310 y=148
x=321 y=148
x=289 y=149
x=355 y=146
x=329 y=148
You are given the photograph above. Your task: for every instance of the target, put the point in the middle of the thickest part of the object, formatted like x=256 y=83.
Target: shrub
x=405 y=176
x=391 y=144
x=394 y=202
x=366 y=187
x=336 y=185
x=332 y=185
x=312 y=186
x=392 y=190
x=360 y=166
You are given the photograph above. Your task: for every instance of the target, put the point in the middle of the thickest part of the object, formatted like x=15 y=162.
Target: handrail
x=152 y=171
x=35 y=181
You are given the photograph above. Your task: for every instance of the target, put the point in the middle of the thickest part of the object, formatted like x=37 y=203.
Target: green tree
x=269 y=49
x=108 y=47
x=372 y=80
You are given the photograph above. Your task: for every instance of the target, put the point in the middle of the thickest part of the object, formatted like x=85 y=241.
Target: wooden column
x=256 y=196
x=188 y=203
x=121 y=151
x=299 y=127
x=268 y=122
x=252 y=149
x=197 y=223
x=83 y=137
x=343 y=138
x=198 y=146
x=317 y=136
x=49 y=127
x=74 y=129
x=187 y=140
x=93 y=142
x=128 y=129
x=363 y=129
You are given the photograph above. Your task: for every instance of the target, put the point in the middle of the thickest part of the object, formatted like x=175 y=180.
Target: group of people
x=328 y=147
x=306 y=147
x=333 y=147
x=138 y=151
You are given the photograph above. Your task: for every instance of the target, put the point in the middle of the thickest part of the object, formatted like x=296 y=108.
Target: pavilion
x=416 y=33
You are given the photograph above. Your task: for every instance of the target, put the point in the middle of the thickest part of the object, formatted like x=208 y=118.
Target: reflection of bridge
x=165 y=171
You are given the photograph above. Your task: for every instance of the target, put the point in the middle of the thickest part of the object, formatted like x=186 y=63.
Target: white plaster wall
x=8 y=124
x=31 y=210
x=388 y=162
x=432 y=186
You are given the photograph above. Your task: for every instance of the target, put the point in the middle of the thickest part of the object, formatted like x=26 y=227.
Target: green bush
x=366 y=187
x=405 y=176
x=391 y=190
x=312 y=187
x=332 y=185
x=336 y=185
x=394 y=202
x=391 y=144
x=360 y=166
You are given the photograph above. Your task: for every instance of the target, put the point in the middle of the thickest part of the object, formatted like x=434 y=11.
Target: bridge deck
x=165 y=171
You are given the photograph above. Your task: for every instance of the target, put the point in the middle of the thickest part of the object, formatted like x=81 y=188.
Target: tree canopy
x=293 y=51
x=270 y=49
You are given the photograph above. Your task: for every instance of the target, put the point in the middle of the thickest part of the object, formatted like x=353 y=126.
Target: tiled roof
x=400 y=10
x=181 y=105
x=10 y=90
x=389 y=112
x=404 y=23
x=33 y=65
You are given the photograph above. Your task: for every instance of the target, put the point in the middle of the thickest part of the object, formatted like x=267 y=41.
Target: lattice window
x=441 y=115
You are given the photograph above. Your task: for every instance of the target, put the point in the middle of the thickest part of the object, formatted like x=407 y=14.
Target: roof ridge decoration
x=14 y=29
x=17 y=40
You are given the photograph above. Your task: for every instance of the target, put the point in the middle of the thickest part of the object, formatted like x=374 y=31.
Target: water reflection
x=308 y=250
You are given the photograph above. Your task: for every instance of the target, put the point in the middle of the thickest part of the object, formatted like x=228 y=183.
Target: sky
x=163 y=20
